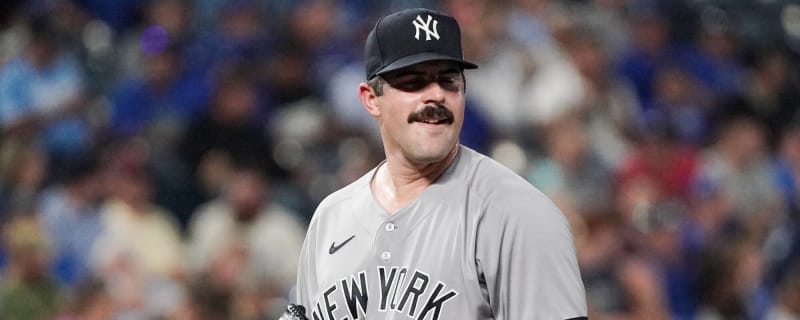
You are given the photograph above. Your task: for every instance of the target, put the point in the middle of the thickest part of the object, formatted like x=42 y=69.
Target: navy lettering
x=401 y=279
x=329 y=305
x=317 y=313
x=385 y=285
x=435 y=303
x=356 y=293
x=415 y=291
x=402 y=290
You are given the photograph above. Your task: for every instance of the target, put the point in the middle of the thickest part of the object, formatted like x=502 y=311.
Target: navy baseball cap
x=412 y=36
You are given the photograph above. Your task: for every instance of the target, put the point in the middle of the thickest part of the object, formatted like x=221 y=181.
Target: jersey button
x=386 y=255
x=390 y=227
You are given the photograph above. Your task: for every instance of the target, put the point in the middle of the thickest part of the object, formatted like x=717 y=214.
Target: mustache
x=436 y=111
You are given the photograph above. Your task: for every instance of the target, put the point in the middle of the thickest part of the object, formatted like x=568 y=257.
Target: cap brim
x=423 y=57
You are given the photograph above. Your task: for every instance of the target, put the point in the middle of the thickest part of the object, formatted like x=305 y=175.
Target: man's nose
x=434 y=92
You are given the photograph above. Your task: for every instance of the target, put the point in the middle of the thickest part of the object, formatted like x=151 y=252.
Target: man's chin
x=432 y=155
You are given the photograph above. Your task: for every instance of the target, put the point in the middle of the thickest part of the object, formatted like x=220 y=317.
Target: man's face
x=421 y=111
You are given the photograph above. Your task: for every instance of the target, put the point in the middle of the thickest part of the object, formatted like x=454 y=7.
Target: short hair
x=376 y=83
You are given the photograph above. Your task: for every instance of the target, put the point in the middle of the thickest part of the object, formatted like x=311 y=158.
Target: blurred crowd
x=161 y=159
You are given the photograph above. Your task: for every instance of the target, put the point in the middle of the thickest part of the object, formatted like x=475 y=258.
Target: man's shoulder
x=490 y=177
x=503 y=192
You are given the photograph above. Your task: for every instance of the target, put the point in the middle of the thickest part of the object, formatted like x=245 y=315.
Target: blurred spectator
x=119 y=14
x=531 y=23
x=619 y=284
x=163 y=23
x=317 y=29
x=609 y=102
x=23 y=173
x=570 y=172
x=658 y=231
x=715 y=58
x=13 y=32
x=729 y=279
x=735 y=198
x=787 y=302
x=660 y=52
x=42 y=96
x=28 y=292
x=788 y=168
x=241 y=32
x=69 y=214
x=229 y=132
x=783 y=243
x=683 y=101
x=555 y=86
x=736 y=193
x=659 y=159
x=91 y=41
x=205 y=301
x=476 y=131
x=136 y=267
x=312 y=48
x=244 y=239
x=90 y=301
x=649 y=49
x=346 y=109
x=159 y=103
x=68 y=21
x=773 y=90
x=607 y=20
x=288 y=76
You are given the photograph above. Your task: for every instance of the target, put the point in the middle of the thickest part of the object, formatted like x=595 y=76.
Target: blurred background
x=161 y=159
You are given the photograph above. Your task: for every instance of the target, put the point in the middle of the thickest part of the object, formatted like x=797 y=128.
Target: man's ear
x=369 y=99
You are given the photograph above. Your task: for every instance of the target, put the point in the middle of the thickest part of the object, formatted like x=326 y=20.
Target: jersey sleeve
x=525 y=255
x=306 y=269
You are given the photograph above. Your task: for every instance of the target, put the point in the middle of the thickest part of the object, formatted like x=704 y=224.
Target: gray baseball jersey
x=479 y=243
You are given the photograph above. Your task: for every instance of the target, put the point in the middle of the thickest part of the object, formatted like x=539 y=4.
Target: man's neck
x=398 y=182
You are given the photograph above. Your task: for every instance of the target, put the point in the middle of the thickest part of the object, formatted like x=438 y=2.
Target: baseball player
x=437 y=231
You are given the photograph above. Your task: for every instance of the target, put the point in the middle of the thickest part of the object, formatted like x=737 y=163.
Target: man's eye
x=450 y=82
x=412 y=84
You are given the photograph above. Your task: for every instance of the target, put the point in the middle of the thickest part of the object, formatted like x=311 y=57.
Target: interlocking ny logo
x=424 y=25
